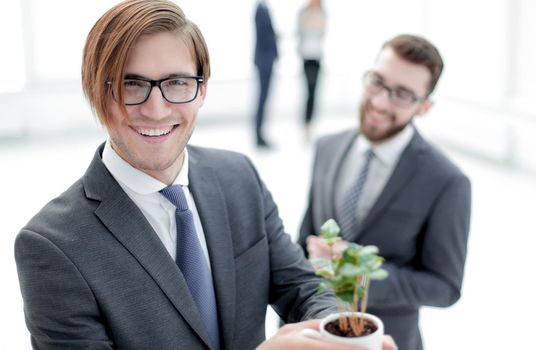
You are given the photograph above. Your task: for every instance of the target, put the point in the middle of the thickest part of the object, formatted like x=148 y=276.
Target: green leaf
x=321 y=263
x=378 y=274
x=353 y=249
x=331 y=241
x=325 y=274
x=330 y=229
x=350 y=270
x=376 y=263
x=343 y=274
x=369 y=250
x=345 y=296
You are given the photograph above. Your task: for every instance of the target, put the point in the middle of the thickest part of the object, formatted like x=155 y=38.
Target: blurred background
x=484 y=118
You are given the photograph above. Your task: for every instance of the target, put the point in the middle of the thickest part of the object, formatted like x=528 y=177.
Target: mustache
x=368 y=106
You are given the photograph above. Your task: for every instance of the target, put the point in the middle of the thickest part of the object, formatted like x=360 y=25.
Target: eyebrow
x=169 y=76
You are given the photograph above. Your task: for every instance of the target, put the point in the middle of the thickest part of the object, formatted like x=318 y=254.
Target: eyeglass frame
x=198 y=79
x=391 y=91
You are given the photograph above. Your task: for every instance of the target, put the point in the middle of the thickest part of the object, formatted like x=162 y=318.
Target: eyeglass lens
x=401 y=97
x=174 y=90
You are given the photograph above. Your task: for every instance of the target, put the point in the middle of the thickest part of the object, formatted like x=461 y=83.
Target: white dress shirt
x=381 y=167
x=144 y=190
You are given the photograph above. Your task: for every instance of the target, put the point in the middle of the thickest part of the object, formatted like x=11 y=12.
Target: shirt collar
x=388 y=151
x=135 y=179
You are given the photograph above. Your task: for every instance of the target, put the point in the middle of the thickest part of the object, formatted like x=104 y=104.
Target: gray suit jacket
x=420 y=222
x=94 y=274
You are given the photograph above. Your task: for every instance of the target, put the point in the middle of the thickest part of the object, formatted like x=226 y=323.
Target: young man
x=159 y=245
x=389 y=187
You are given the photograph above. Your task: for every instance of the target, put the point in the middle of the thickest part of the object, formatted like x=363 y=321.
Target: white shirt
x=144 y=190
x=381 y=168
x=311 y=32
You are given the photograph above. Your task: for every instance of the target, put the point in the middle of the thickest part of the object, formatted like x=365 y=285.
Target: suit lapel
x=127 y=223
x=210 y=203
x=408 y=164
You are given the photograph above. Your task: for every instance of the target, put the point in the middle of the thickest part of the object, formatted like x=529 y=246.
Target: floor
x=499 y=288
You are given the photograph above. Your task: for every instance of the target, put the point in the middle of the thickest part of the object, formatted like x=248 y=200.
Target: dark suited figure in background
x=311 y=31
x=265 y=56
x=414 y=203
x=160 y=244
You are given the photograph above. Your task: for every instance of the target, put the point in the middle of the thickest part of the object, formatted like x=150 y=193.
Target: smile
x=153 y=132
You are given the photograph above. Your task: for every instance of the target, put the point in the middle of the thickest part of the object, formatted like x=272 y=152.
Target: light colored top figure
x=311 y=30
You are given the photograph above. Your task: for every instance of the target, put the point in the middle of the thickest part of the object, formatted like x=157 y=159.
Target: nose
x=156 y=106
x=381 y=100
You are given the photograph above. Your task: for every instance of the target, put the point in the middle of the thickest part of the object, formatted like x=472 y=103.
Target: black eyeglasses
x=174 y=90
x=401 y=97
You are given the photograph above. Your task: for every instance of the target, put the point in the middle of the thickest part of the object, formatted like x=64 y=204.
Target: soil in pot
x=334 y=328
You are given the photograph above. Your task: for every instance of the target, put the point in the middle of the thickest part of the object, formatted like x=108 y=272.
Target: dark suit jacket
x=265 y=42
x=420 y=223
x=94 y=274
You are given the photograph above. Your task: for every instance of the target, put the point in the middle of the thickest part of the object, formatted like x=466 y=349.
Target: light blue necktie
x=193 y=264
x=347 y=209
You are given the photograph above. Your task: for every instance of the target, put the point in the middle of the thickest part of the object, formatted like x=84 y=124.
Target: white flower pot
x=372 y=341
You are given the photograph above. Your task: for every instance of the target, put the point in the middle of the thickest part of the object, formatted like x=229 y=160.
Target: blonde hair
x=109 y=42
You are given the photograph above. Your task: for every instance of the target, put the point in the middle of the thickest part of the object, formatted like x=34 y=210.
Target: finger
x=306 y=342
x=318 y=344
x=310 y=324
x=389 y=343
x=311 y=239
x=299 y=326
x=312 y=246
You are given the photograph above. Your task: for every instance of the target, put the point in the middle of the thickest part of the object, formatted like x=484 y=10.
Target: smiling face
x=380 y=119
x=152 y=136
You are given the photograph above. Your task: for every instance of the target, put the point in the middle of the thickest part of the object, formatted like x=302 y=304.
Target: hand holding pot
x=291 y=336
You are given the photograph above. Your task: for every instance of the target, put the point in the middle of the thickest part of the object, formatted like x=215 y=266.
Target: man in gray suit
x=97 y=265
x=387 y=186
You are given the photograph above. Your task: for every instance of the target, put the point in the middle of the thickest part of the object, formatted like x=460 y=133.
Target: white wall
x=486 y=89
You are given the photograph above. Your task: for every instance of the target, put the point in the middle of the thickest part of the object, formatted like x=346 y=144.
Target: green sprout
x=349 y=274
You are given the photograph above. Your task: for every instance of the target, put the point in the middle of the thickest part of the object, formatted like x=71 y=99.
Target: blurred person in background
x=311 y=32
x=265 y=55
x=387 y=186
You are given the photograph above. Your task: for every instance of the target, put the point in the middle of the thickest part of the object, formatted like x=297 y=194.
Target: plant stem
x=364 y=304
x=354 y=321
x=343 y=322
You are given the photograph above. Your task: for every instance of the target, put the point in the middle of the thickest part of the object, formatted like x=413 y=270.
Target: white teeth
x=154 y=132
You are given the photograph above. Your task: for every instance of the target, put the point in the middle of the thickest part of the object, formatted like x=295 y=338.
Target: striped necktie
x=347 y=209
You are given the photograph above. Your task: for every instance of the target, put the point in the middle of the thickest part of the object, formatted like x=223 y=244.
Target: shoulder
x=60 y=218
x=339 y=137
x=328 y=145
x=217 y=157
x=227 y=165
x=232 y=173
x=437 y=163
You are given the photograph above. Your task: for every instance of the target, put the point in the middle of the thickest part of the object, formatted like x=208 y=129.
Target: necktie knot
x=176 y=196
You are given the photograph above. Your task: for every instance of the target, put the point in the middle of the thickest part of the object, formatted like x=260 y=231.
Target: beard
x=378 y=134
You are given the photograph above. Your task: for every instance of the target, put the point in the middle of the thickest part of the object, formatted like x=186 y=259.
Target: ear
x=425 y=107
